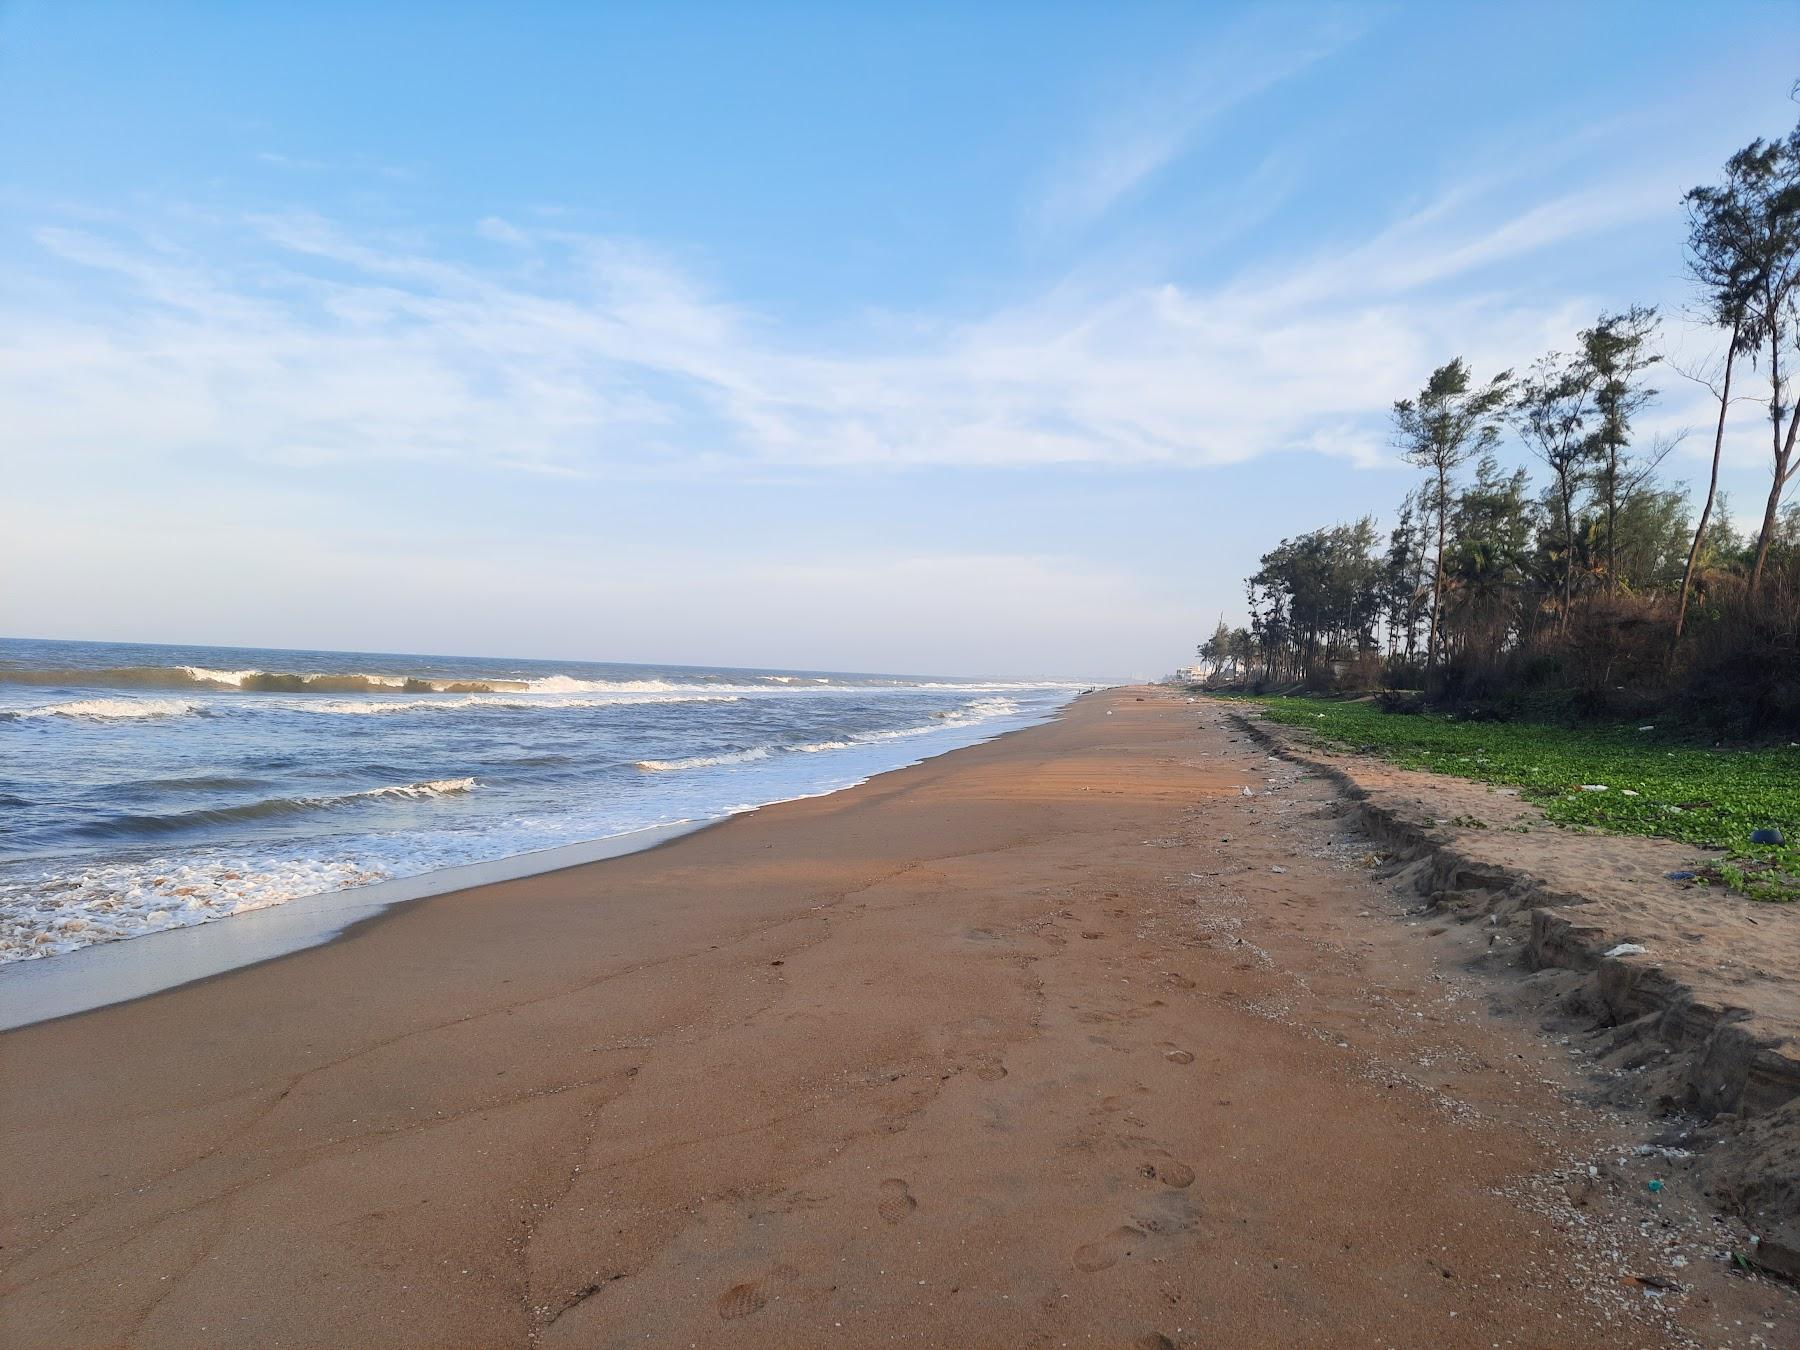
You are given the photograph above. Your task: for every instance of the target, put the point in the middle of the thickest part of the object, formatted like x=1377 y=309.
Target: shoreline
x=108 y=973
x=1058 y=1038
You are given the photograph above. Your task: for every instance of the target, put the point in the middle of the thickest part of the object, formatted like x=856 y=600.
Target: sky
x=995 y=339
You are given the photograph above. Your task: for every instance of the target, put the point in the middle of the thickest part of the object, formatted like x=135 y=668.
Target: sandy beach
x=1074 y=1038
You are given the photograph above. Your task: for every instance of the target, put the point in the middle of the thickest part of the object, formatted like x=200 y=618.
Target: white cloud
x=292 y=338
x=1155 y=128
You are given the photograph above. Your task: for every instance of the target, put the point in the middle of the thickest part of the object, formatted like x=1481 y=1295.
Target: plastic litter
x=1768 y=836
x=1628 y=949
x=1683 y=875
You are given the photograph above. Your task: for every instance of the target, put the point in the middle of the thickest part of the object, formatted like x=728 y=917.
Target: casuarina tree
x=1617 y=349
x=1553 y=413
x=1744 y=246
x=1449 y=423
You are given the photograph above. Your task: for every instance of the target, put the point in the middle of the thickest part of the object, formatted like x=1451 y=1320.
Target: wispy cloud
x=1153 y=129
x=562 y=352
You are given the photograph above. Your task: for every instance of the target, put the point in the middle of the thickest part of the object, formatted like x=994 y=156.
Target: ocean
x=145 y=788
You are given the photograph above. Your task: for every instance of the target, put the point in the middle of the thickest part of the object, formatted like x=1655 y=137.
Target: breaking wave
x=298 y=682
x=706 y=761
x=107 y=901
x=346 y=707
x=110 y=709
x=209 y=679
x=177 y=786
x=975 y=711
x=269 y=808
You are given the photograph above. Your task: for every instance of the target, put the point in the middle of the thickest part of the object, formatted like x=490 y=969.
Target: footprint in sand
x=1176 y=1174
x=1108 y=1251
x=896 y=1200
x=991 y=1073
x=1154 y=1340
x=743 y=1299
x=753 y=1295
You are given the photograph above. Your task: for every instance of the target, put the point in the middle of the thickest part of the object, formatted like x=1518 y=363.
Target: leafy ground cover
x=1628 y=780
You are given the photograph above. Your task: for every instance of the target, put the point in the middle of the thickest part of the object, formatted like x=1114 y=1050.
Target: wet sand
x=1008 y=1048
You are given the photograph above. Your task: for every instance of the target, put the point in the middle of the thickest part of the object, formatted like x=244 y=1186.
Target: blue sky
x=987 y=339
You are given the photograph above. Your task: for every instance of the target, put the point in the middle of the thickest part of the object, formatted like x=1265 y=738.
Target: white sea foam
x=104 y=902
x=114 y=709
x=493 y=684
x=970 y=714
x=805 y=735
x=983 y=708
x=108 y=901
x=232 y=678
x=705 y=761
x=566 y=684
x=437 y=787
x=258 y=680
x=363 y=707
x=998 y=686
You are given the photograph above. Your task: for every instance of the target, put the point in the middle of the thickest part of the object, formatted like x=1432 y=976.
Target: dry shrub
x=1615 y=654
x=1357 y=674
x=1740 y=662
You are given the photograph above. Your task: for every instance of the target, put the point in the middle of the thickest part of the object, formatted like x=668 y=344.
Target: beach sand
x=1007 y=1048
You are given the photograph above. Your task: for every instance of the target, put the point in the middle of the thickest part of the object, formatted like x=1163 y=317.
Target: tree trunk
x=1568 y=515
x=1412 y=602
x=1781 y=458
x=1712 y=489
x=1612 y=518
x=1437 y=574
x=1783 y=454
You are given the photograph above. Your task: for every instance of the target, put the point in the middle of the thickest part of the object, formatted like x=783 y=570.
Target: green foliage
x=1652 y=532
x=1597 y=593
x=1617 y=350
x=1449 y=423
x=1488 y=553
x=1317 y=597
x=1722 y=545
x=1744 y=250
x=1654 y=784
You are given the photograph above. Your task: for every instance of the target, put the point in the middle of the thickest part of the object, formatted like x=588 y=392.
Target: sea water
x=148 y=788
